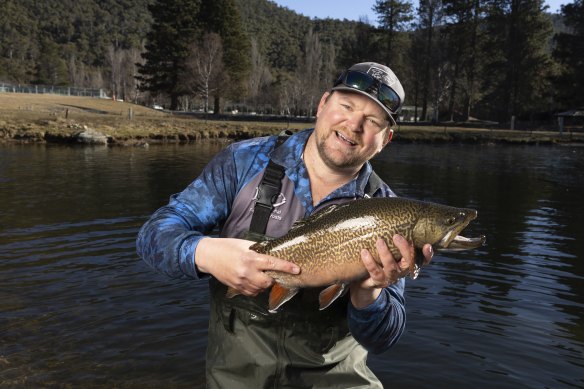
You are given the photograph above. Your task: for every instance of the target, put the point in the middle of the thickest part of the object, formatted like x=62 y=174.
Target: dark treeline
x=488 y=59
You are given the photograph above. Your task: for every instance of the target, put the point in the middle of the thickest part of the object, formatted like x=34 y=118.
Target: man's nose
x=355 y=121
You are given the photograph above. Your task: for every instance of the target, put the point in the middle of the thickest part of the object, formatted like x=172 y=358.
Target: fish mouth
x=460 y=243
x=452 y=241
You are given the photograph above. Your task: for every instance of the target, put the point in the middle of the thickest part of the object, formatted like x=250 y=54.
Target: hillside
x=271 y=60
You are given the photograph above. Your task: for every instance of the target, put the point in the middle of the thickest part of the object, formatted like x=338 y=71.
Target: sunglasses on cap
x=370 y=85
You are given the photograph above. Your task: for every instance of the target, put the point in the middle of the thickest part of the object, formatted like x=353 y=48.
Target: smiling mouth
x=345 y=139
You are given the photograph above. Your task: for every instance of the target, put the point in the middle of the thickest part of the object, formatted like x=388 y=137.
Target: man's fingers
x=407 y=262
x=267 y=262
x=380 y=276
x=404 y=247
x=428 y=253
x=369 y=261
x=385 y=254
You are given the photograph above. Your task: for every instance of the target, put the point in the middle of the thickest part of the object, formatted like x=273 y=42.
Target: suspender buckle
x=267 y=195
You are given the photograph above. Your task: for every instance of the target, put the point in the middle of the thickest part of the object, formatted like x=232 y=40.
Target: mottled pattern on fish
x=327 y=245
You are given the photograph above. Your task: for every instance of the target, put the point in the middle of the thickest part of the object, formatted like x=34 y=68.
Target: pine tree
x=463 y=21
x=517 y=63
x=175 y=29
x=429 y=17
x=17 y=31
x=394 y=17
x=569 y=52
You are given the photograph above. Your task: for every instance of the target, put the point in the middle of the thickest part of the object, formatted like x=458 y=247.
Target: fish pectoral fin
x=231 y=292
x=414 y=270
x=330 y=294
x=417 y=264
x=279 y=295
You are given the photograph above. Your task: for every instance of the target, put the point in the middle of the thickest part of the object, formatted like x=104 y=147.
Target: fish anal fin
x=330 y=294
x=279 y=295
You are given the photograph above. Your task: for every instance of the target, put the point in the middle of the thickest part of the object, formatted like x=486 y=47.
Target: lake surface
x=78 y=308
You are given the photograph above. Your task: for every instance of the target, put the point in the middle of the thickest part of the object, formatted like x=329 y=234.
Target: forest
x=458 y=60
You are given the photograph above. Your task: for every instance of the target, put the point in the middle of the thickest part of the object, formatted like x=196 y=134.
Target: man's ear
x=322 y=102
x=386 y=140
x=389 y=137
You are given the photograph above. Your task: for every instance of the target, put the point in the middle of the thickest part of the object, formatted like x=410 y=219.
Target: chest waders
x=296 y=347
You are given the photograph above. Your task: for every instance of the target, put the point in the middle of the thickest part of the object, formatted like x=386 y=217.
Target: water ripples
x=74 y=294
x=516 y=304
x=78 y=308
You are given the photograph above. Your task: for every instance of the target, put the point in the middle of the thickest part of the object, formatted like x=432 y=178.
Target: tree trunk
x=217 y=105
x=173 y=102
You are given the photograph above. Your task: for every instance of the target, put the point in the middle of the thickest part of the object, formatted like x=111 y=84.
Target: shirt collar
x=289 y=155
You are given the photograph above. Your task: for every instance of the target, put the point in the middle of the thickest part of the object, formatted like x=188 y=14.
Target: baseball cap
x=375 y=81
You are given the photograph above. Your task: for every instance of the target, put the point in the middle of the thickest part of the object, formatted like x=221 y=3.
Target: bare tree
x=260 y=75
x=206 y=75
x=309 y=71
x=114 y=59
x=129 y=72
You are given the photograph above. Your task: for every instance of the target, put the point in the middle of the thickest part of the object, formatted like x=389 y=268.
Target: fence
x=51 y=89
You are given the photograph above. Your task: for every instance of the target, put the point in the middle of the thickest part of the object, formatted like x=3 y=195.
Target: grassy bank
x=54 y=118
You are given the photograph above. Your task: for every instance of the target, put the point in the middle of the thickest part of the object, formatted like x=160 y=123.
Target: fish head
x=441 y=226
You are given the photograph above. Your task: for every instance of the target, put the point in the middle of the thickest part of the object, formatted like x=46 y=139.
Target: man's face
x=350 y=129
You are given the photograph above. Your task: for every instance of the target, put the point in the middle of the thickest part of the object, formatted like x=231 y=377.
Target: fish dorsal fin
x=316 y=216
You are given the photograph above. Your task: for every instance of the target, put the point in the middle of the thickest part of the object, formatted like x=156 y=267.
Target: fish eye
x=450 y=221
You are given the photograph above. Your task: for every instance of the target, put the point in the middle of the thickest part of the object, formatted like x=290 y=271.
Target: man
x=298 y=346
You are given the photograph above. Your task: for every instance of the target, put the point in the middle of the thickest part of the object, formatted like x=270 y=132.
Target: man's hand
x=365 y=292
x=232 y=263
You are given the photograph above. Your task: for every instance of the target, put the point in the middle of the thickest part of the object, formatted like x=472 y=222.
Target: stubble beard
x=334 y=158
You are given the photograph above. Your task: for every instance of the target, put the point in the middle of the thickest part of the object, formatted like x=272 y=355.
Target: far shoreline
x=55 y=119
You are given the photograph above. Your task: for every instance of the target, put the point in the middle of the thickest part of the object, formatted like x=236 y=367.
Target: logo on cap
x=381 y=75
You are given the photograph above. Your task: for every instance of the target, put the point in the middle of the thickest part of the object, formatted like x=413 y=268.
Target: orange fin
x=330 y=294
x=231 y=292
x=279 y=295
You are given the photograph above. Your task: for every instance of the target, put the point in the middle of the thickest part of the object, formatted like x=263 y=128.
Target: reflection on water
x=78 y=307
x=509 y=314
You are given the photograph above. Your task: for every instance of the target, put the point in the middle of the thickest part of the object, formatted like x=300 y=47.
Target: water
x=78 y=309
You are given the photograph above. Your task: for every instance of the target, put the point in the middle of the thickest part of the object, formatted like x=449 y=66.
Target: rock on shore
x=89 y=136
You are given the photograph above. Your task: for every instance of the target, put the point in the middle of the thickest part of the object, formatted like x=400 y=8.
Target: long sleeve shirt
x=222 y=197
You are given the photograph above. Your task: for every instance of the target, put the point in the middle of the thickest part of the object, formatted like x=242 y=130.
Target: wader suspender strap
x=271 y=184
x=373 y=184
x=268 y=192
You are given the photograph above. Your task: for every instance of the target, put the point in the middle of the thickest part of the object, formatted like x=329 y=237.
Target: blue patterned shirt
x=168 y=240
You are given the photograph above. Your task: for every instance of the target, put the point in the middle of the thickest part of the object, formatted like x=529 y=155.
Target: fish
x=327 y=245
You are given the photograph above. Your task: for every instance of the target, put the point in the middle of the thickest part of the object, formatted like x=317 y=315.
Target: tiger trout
x=327 y=245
